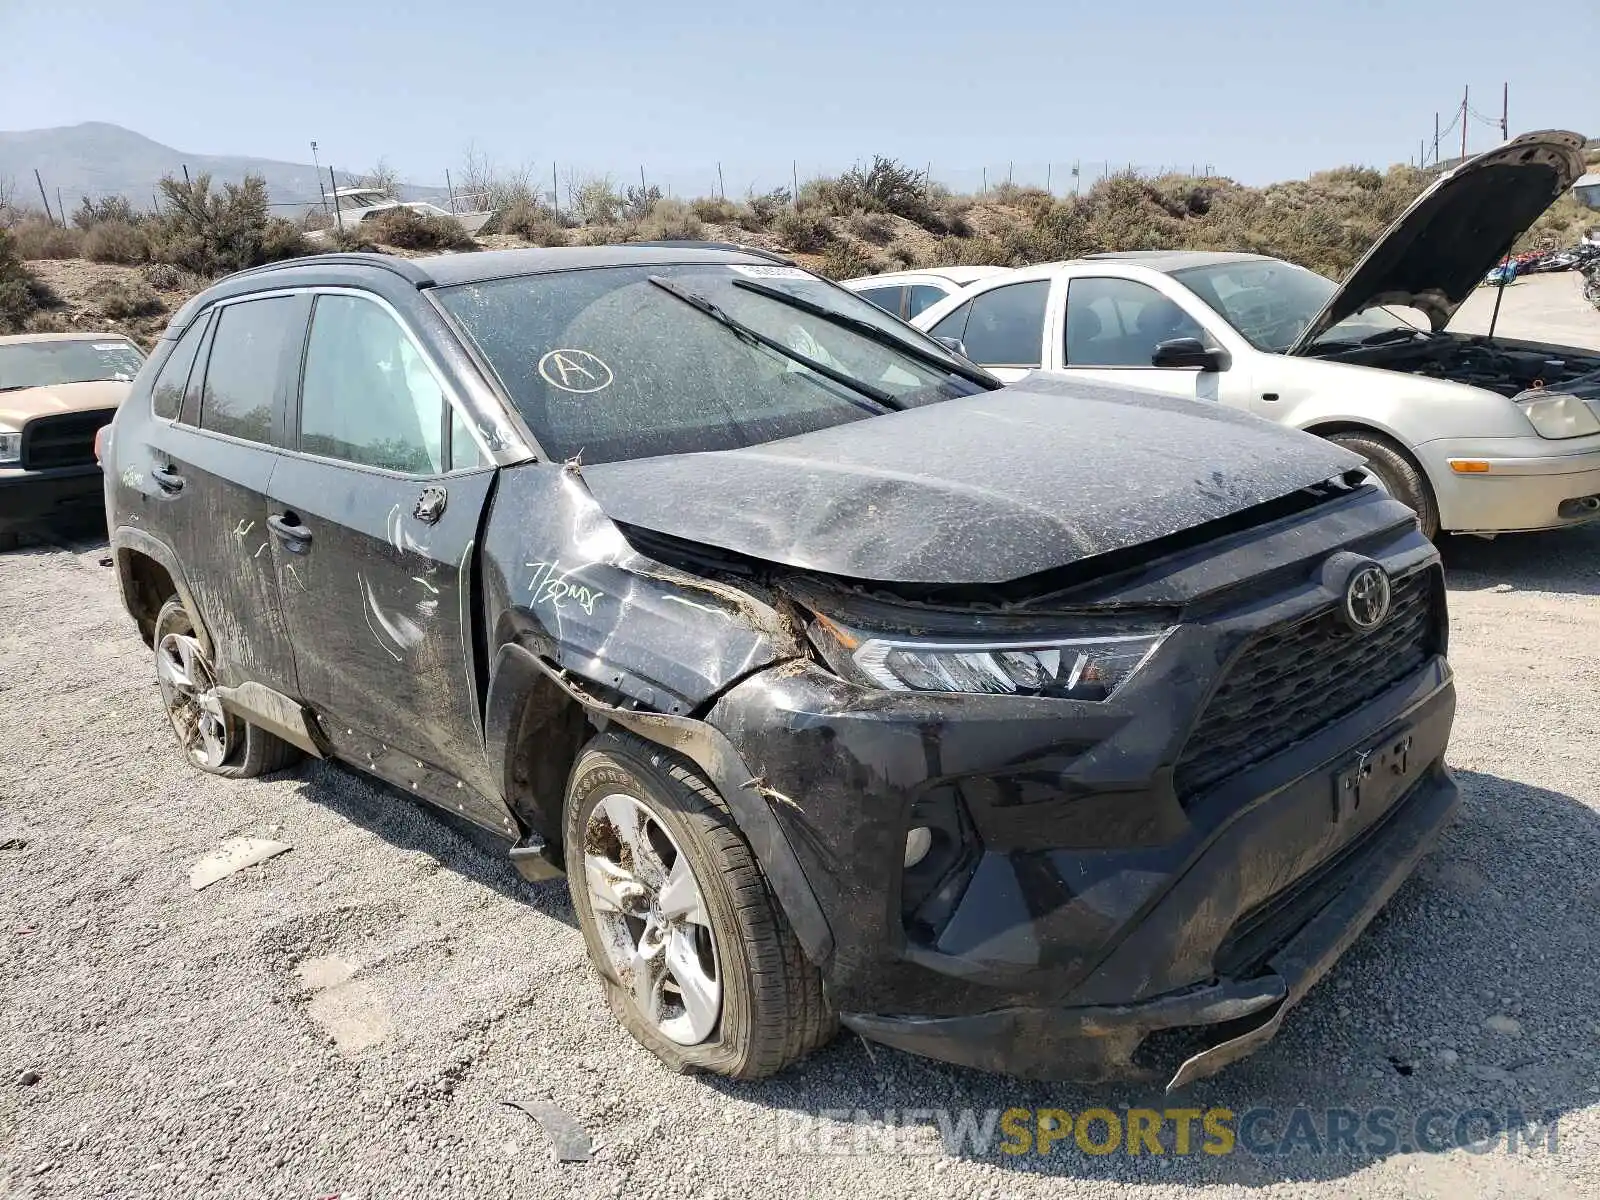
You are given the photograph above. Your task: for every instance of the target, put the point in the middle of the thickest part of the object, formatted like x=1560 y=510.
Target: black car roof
x=445 y=270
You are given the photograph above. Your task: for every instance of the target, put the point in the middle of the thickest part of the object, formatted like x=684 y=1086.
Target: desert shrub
x=317 y=218
x=114 y=241
x=975 y=251
x=213 y=233
x=1031 y=200
x=844 y=260
x=671 y=221
x=638 y=201
x=408 y=229
x=530 y=221
x=761 y=209
x=353 y=239
x=120 y=299
x=108 y=208
x=807 y=232
x=595 y=201
x=718 y=210
x=22 y=294
x=163 y=277
x=901 y=254
x=874 y=227
x=606 y=235
x=887 y=185
x=35 y=237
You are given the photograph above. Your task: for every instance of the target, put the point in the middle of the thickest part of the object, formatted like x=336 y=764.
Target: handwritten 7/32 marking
x=553 y=586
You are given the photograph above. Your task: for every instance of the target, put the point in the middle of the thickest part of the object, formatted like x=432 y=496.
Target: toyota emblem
x=1366 y=598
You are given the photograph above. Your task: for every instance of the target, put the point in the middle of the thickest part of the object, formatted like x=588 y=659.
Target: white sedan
x=905 y=294
x=1478 y=434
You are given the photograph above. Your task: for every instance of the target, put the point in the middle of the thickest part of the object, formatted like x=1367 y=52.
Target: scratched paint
x=555 y=587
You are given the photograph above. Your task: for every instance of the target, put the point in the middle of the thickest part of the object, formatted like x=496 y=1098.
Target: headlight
x=1561 y=416
x=1068 y=668
x=10 y=446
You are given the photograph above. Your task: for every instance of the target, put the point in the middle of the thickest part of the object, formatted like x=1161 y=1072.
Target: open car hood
x=1463 y=223
x=984 y=489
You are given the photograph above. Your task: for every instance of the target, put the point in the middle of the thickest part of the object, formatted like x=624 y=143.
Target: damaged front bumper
x=1127 y=888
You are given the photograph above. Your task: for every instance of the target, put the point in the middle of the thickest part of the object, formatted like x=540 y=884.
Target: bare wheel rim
x=652 y=918
x=205 y=730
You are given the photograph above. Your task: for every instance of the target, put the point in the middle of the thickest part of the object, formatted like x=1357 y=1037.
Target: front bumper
x=1094 y=898
x=31 y=497
x=1530 y=483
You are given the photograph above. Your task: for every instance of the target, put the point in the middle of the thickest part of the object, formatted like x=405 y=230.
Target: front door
x=1111 y=331
x=212 y=471
x=374 y=535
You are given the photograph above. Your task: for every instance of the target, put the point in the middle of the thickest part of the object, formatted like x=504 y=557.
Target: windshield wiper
x=871 y=332
x=755 y=338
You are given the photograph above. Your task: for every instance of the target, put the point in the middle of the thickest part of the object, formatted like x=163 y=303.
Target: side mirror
x=954 y=345
x=1191 y=353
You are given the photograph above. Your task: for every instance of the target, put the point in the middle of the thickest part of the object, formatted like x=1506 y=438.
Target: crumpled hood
x=24 y=404
x=984 y=489
x=1461 y=225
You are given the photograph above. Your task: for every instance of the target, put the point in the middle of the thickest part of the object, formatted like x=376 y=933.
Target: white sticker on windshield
x=769 y=272
x=575 y=371
x=110 y=345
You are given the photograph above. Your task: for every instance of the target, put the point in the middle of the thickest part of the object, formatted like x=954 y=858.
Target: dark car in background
x=1056 y=729
x=56 y=392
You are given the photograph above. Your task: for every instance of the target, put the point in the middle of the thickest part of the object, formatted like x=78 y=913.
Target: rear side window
x=368 y=396
x=886 y=298
x=242 y=372
x=923 y=297
x=166 y=399
x=1006 y=327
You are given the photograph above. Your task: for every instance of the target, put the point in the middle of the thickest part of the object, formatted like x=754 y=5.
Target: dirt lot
x=349 y=1018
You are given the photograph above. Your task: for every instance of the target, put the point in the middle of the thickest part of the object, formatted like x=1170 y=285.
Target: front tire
x=212 y=739
x=693 y=950
x=1394 y=471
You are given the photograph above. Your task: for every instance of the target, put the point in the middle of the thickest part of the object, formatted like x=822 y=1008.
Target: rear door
x=375 y=511
x=211 y=468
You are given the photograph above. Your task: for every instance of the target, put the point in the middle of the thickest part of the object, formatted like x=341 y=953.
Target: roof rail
x=406 y=268
x=756 y=251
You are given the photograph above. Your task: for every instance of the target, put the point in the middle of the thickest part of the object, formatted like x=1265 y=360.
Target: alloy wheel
x=652 y=918
x=205 y=730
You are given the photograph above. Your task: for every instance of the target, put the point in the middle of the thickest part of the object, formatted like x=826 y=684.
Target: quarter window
x=886 y=298
x=1119 y=323
x=368 y=396
x=923 y=297
x=166 y=400
x=1006 y=326
x=242 y=371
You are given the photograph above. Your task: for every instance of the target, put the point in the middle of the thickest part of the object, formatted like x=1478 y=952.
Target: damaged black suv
x=1054 y=729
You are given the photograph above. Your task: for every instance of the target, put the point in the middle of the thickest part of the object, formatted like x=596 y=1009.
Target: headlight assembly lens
x=1561 y=416
x=10 y=447
x=1080 y=668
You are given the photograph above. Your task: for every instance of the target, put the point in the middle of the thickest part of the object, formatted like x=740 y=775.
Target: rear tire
x=212 y=739
x=735 y=943
x=1397 y=474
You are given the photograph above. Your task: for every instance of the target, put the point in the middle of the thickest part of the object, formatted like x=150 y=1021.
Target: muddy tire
x=210 y=738
x=693 y=949
x=1397 y=474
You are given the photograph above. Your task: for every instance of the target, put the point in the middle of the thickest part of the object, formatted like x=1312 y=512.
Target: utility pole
x=794 y=174
x=44 y=198
x=1436 y=139
x=333 y=187
x=721 y=188
x=1464 y=93
x=1505 y=112
x=448 y=186
x=316 y=164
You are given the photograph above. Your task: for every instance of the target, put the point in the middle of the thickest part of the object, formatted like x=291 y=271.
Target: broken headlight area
x=1088 y=667
x=1567 y=413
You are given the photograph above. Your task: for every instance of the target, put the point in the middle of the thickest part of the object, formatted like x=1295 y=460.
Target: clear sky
x=1260 y=89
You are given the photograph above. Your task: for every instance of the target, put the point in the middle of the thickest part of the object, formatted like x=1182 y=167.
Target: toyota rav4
x=1065 y=730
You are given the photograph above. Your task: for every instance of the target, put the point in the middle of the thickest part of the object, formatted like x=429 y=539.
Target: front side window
x=1271 y=303
x=1006 y=325
x=53 y=361
x=886 y=298
x=605 y=364
x=1119 y=323
x=166 y=400
x=242 y=370
x=367 y=395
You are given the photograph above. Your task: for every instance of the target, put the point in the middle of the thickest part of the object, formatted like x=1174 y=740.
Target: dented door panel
x=379 y=603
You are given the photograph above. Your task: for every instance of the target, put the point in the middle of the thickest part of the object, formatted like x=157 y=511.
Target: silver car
x=1478 y=434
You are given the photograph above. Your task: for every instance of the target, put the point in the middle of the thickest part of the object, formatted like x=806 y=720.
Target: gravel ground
x=348 y=1019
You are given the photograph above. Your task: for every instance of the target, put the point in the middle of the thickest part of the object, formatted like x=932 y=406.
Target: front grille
x=66 y=440
x=1294 y=679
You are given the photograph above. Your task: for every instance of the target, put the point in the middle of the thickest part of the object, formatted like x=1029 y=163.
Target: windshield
x=1271 y=303
x=44 y=364
x=604 y=364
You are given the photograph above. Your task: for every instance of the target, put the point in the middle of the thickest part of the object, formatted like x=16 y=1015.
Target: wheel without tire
x=693 y=950
x=211 y=738
x=1393 y=470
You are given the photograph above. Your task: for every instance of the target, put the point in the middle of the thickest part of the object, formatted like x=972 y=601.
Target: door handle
x=167 y=479
x=291 y=533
